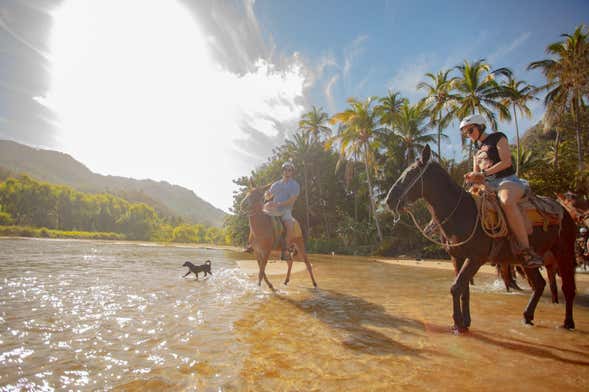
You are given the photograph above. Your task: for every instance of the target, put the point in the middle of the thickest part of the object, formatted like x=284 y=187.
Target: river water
x=92 y=315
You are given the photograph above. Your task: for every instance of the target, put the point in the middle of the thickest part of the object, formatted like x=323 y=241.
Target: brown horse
x=507 y=272
x=576 y=207
x=263 y=237
x=468 y=244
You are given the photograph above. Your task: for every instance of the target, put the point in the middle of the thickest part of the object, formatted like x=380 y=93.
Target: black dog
x=206 y=268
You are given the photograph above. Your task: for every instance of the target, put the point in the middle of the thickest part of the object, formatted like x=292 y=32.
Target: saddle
x=279 y=231
x=537 y=211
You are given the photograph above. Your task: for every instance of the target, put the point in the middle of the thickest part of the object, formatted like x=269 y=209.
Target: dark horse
x=470 y=247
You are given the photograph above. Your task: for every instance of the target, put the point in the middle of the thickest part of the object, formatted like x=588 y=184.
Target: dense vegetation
x=346 y=162
x=27 y=205
x=61 y=169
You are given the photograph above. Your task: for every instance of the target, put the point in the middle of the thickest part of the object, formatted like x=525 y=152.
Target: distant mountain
x=59 y=168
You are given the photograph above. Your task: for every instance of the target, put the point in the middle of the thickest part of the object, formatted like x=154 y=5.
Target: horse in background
x=264 y=237
x=471 y=247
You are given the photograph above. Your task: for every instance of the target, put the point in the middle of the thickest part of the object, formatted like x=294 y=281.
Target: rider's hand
x=474 y=177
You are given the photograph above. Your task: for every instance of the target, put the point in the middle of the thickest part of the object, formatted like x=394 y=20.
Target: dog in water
x=205 y=268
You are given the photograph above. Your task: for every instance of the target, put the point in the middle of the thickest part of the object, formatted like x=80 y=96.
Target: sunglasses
x=288 y=170
x=468 y=131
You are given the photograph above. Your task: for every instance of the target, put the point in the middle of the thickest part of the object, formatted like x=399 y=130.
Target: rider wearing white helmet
x=492 y=165
x=284 y=193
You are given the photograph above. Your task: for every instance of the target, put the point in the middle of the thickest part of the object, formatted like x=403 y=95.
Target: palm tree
x=516 y=94
x=409 y=129
x=439 y=99
x=567 y=77
x=357 y=140
x=300 y=149
x=389 y=107
x=478 y=92
x=313 y=124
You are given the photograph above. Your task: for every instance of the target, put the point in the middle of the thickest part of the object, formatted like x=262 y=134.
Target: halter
x=397 y=217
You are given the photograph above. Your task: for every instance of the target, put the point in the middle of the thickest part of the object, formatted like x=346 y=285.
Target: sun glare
x=137 y=93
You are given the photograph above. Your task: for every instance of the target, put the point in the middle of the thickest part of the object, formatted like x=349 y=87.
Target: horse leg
x=289 y=263
x=461 y=293
x=262 y=262
x=551 y=272
x=301 y=249
x=538 y=283
x=551 y=268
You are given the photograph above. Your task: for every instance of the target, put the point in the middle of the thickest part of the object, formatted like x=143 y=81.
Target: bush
x=6 y=219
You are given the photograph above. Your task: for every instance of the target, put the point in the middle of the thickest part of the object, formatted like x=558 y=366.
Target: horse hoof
x=570 y=325
x=456 y=330
x=527 y=322
x=286 y=282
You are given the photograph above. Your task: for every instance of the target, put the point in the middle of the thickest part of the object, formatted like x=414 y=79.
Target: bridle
x=397 y=214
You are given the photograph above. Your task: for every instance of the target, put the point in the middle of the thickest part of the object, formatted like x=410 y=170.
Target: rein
x=422 y=230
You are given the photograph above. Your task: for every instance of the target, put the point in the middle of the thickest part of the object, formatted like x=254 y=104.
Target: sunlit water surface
x=87 y=315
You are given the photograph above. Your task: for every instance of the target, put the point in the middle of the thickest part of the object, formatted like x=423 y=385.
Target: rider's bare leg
x=509 y=194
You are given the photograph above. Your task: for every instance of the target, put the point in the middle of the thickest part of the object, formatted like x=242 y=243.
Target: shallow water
x=87 y=315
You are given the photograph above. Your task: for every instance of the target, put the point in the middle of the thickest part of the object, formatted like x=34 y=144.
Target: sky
x=199 y=92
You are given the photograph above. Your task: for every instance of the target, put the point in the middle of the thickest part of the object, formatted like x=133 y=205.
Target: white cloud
x=351 y=53
x=155 y=103
x=329 y=93
x=504 y=50
x=409 y=75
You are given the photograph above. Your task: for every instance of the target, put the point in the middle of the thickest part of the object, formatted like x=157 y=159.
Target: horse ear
x=251 y=183
x=426 y=154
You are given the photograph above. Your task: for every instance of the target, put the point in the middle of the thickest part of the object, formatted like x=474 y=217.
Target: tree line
x=347 y=161
x=27 y=202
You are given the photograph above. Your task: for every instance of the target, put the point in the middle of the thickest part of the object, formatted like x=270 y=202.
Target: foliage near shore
x=32 y=208
x=346 y=162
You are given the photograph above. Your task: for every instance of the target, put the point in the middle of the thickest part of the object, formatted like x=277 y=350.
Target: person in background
x=283 y=195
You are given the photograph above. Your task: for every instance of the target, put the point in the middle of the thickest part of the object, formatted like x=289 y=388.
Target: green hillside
x=59 y=168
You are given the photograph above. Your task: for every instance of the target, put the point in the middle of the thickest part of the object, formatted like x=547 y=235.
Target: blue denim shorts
x=496 y=183
x=285 y=215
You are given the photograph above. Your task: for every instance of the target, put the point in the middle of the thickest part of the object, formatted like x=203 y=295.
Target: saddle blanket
x=538 y=210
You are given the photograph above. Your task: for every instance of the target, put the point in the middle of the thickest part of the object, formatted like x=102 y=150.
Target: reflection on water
x=93 y=315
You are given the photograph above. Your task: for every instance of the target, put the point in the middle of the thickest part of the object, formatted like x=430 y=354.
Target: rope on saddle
x=493 y=220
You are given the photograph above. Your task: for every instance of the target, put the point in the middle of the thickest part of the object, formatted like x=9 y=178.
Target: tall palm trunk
x=372 y=203
x=556 y=148
x=440 y=137
x=516 y=142
x=575 y=112
x=306 y=201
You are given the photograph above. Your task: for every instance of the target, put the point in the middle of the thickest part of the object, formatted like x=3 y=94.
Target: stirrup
x=531 y=259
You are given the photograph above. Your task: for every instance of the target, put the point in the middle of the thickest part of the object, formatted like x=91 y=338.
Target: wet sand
x=447 y=265
x=274 y=267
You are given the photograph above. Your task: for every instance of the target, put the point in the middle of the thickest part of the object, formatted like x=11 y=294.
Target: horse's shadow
x=353 y=316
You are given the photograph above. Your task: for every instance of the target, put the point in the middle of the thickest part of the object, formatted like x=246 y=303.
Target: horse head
x=407 y=188
x=254 y=198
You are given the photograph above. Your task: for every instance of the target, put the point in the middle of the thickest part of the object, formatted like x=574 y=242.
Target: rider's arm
x=504 y=158
x=475 y=165
x=288 y=203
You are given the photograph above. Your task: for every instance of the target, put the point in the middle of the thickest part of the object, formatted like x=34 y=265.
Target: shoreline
x=447 y=265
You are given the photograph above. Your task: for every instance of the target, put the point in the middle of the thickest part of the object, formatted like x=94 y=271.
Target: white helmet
x=583 y=230
x=473 y=119
x=288 y=164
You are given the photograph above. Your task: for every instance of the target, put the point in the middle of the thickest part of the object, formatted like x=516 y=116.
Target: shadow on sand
x=353 y=317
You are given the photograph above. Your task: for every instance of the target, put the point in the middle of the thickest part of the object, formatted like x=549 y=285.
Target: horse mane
x=439 y=172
